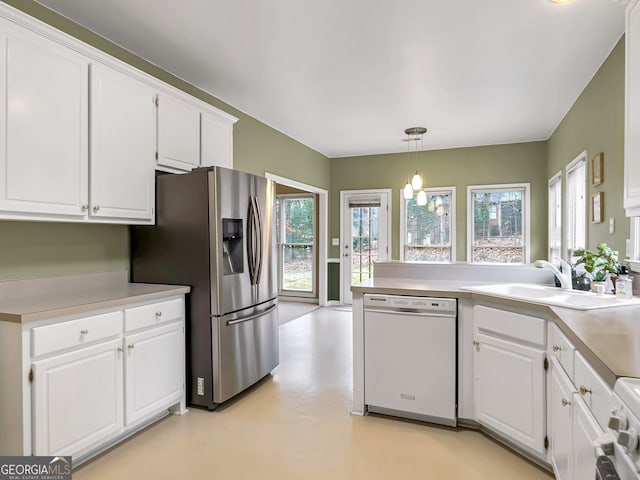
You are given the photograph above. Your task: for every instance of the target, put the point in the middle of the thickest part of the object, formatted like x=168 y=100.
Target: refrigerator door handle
x=259 y=242
x=252 y=317
x=251 y=241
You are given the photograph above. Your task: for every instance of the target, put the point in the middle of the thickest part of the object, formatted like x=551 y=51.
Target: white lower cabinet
x=94 y=381
x=561 y=392
x=77 y=399
x=585 y=432
x=154 y=373
x=509 y=376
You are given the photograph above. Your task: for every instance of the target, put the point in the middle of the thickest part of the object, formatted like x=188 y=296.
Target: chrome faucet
x=564 y=276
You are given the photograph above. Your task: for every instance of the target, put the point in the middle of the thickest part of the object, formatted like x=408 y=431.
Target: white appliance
x=623 y=460
x=410 y=357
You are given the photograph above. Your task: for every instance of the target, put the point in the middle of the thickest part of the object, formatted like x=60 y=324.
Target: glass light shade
x=431 y=207
x=438 y=201
x=416 y=182
x=408 y=192
x=440 y=211
x=422 y=198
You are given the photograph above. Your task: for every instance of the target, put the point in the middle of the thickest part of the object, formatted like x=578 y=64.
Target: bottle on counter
x=624 y=284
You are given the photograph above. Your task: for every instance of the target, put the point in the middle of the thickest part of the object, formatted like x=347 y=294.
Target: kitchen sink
x=547 y=295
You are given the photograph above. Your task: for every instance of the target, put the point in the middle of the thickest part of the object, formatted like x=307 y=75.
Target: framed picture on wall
x=597 y=167
x=597 y=207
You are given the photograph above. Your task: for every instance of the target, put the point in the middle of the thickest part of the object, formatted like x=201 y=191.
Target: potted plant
x=600 y=265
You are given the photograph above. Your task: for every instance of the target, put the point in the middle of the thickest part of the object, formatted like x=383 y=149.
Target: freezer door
x=267 y=281
x=247 y=349
x=230 y=194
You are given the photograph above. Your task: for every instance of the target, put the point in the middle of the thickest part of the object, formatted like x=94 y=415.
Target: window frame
x=526 y=220
x=555 y=213
x=570 y=203
x=634 y=244
x=451 y=191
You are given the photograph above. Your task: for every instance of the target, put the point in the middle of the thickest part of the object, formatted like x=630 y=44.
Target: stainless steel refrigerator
x=215 y=231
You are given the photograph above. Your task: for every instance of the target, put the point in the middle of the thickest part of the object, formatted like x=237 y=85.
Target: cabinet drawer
x=510 y=324
x=154 y=314
x=594 y=391
x=75 y=333
x=561 y=348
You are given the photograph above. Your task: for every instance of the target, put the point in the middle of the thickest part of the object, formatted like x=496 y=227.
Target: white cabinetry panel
x=560 y=418
x=585 y=433
x=216 y=141
x=632 y=105
x=178 y=134
x=154 y=366
x=78 y=399
x=122 y=146
x=44 y=95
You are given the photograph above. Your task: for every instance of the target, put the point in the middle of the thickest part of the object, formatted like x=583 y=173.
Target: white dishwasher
x=410 y=357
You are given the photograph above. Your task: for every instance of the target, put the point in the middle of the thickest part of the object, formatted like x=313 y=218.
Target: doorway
x=365 y=235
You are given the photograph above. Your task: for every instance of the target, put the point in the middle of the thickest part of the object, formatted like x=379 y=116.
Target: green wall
x=459 y=167
x=48 y=248
x=595 y=123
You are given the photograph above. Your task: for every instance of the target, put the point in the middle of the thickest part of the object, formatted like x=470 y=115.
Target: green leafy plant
x=599 y=264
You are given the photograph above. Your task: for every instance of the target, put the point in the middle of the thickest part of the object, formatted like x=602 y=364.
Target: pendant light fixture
x=415 y=183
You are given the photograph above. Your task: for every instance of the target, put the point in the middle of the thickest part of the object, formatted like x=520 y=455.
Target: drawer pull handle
x=96 y=208
x=476 y=343
x=84 y=207
x=556 y=348
x=158 y=314
x=84 y=331
x=565 y=402
x=584 y=390
x=131 y=346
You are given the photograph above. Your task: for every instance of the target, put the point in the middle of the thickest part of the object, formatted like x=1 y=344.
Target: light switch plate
x=612 y=225
x=335 y=242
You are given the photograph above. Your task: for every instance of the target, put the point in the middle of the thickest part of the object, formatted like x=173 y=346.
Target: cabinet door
x=509 y=390
x=154 y=365
x=77 y=400
x=43 y=127
x=632 y=121
x=216 y=141
x=560 y=417
x=178 y=134
x=123 y=133
x=585 y=433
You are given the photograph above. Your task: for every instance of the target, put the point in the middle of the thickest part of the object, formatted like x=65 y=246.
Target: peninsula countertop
x=30 y=300
x=608 y=338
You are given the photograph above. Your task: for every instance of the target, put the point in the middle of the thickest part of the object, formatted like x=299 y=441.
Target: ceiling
x=346 y=77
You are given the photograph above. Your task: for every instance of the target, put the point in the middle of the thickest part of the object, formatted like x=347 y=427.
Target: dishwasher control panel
x=400 y=302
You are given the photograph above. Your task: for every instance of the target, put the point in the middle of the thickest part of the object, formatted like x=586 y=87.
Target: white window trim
x=451 y=191
x=634 y=245
x=573 y=165
x=471 y=189
x=556 y=179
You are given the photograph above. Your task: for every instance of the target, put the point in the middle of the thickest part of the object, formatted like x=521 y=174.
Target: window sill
x=635 y=265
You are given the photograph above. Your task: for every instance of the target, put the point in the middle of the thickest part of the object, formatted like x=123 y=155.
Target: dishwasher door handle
x=414 y=313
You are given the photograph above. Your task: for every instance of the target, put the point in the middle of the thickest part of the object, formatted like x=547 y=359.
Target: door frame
x=323 y=224
x=374 y=191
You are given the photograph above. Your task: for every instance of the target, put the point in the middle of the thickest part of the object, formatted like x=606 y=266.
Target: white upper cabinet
x=43 y=126
x=122 y=146
x=632 y=119
x=216 y=141
x=178 y=134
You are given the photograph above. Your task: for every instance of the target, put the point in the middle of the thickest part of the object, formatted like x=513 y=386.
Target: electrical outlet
x=612 y=225
x=335 y=242
x=200 y=386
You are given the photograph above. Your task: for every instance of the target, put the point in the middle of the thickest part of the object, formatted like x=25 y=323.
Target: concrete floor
x=295 y=424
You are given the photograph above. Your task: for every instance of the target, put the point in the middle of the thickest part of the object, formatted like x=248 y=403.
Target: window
x=576 y=210
x=498 y=223
x=555 y=217
x=295 y=235
x=427 y=232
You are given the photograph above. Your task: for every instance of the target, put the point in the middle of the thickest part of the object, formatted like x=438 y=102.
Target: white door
x=178 y=134
x=509 y=390
x=365 y=237
x=560 y=417
x=43 y=126
x=154 y=366
x=585 y=433
x=77 y=399
x=123 y=145
x=216 y=136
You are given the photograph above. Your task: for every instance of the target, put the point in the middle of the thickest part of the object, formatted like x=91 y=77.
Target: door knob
x=131 y=346
x=556 y=348
x=96 y=208
x=565 y=402
x=476 y=343
x=584 y=390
